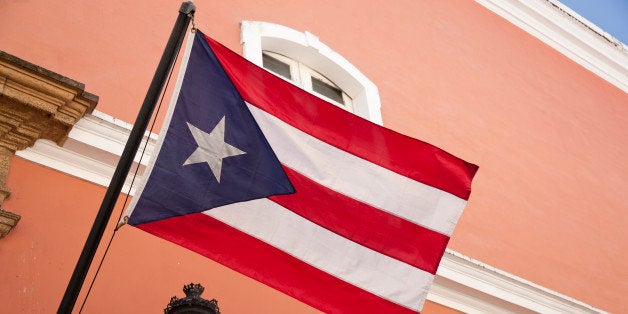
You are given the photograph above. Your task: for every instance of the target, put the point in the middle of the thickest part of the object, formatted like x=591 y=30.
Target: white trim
x=569 y=33
x=92 y=152
x=309 y=50
x=471 y=286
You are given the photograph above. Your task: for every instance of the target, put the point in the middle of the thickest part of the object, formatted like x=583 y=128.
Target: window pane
x=327 y=90
x=276 y=66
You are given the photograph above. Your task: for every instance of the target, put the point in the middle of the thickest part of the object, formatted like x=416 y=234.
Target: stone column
x=35 y=103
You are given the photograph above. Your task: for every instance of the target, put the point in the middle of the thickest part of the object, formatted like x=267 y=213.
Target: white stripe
x=367 y=269
x=345 y=173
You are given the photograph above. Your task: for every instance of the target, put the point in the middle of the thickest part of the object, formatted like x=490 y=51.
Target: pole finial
x=188 y=8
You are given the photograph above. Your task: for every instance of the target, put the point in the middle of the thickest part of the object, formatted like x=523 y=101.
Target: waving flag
x=275 y=183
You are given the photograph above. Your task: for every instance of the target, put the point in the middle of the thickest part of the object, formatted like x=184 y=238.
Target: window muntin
x=306 y=78
x=271 y=63
x=327 y=90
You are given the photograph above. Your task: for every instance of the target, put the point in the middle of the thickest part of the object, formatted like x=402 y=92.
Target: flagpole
x=186 y=12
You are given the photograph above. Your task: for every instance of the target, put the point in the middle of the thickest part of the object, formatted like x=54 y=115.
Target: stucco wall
x=550 y=137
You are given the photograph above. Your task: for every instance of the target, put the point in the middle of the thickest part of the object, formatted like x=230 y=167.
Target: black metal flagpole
x=186 y=12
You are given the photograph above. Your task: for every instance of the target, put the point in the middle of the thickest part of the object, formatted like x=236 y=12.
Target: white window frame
x=307 y=49
x=293 y=64
x=301 y=75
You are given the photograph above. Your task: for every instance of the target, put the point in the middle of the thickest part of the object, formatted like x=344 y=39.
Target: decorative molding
x=569 y=33
x=92 y=150
x=471 y=286
x=192 y=302
x=91 y=153
x=8 y=220
x=34 y=104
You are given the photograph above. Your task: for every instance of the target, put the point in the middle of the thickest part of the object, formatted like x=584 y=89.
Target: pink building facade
x=532 y=93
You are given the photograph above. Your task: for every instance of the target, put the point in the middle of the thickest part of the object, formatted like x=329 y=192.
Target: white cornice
x=96 y=142
x=91 y=151
x=471 y=286
x=570 y=34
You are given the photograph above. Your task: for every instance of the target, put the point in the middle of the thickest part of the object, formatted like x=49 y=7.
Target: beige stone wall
x=34 y=104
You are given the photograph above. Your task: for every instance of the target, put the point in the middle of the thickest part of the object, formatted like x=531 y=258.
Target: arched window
x=302 y=59
x=306 y=78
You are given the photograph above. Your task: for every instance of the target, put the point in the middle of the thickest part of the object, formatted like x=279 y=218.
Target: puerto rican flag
x=279 y=185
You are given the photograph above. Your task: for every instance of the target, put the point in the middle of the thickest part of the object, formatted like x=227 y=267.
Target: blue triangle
x=207 y=95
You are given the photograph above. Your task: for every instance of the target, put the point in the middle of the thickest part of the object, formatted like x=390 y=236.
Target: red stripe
x=402 y=154
x=263 y=262
x=364 y=224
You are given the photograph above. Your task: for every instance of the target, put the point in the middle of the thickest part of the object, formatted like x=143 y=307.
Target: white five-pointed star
x=212 y=148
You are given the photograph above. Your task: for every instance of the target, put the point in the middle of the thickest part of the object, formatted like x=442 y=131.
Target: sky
x=609 y=15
